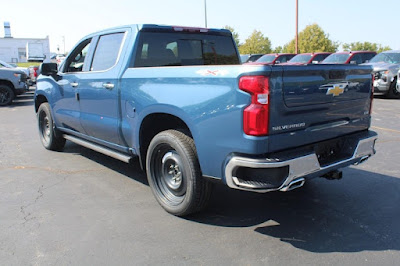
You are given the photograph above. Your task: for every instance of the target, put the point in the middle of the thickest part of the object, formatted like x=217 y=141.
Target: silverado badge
x=335 y=90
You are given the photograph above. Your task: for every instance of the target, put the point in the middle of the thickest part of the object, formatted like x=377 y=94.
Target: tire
x=51 y=139
x=393 y=93
x=174 y=175
x=6 y=95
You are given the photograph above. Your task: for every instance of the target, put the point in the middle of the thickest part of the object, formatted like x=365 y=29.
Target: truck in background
x=35 y=52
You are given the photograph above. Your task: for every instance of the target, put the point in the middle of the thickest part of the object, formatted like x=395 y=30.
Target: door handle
x=74 y=84
x=108 y=86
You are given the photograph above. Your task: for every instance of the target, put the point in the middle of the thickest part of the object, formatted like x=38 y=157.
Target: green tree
x=257 y=43
x=312 y=39
x=234 y=34
x=365 y=46
x=278 y=49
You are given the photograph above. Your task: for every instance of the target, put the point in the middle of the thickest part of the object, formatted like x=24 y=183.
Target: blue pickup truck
x=179 y=100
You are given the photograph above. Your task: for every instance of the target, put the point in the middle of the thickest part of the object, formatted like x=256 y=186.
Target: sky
x=345 y=21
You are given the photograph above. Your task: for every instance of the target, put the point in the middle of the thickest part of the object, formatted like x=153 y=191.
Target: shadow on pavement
x=131 y=170
x=360 y=212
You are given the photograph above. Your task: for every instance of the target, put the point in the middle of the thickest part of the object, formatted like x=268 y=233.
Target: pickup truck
x=12 y=83
x=178 y=99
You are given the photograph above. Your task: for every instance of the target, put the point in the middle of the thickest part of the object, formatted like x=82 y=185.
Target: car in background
x=33 y=73
x=12 y=83
x=398 y=81
x=7 y=65
x=249 y=57
x=386 y=66
x=352 y=57
x=57 y=58
x=307 y=58
x=272 y=59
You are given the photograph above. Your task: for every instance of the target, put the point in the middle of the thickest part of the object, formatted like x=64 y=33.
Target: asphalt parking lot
x=83 y=208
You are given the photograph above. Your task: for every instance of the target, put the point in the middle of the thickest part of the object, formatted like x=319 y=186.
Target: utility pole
x=205 y=12
x=297 y=27
x=63 y=39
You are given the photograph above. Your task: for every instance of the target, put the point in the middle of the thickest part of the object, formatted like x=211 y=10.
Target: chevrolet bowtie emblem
x=336 y=90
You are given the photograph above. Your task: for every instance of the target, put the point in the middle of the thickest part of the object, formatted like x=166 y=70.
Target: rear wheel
x=174 y=175
x=51 y=139
x=6 y=95
x=393 y=92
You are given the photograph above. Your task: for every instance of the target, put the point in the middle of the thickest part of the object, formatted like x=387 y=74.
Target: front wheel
x=6 y=95
x=174 y=175
x=393 y=92
x=51 y=139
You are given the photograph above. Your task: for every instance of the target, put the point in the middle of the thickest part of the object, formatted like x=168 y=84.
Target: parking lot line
x=386 y=129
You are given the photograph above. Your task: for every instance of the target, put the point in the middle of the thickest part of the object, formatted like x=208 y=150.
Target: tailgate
x=318 y=102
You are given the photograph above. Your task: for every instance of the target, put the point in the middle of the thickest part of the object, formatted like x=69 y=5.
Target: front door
x=99 y=92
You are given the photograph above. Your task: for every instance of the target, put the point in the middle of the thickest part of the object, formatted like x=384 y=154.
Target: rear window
x=157 y=49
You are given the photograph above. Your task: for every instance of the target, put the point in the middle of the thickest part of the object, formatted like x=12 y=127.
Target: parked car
x=249 y=57
x=179 y=100
x=272 y=59
x=385 y=69
x=398 y=81
x=12 y=83
x=352 y=57
x=33 y=73
x=7 y=65
x=57 y=58
x=307 y=58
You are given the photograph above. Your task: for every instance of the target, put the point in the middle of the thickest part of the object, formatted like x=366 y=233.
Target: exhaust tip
x=294 y=184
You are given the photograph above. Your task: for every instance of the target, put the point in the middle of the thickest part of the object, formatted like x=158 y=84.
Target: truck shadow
x=360 y=212
x=131 y=170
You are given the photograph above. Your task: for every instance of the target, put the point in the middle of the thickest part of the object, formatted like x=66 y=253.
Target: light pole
x=297 y=27
x=205 y=12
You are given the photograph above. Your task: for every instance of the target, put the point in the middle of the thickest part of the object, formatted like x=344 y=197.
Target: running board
x=98 y=148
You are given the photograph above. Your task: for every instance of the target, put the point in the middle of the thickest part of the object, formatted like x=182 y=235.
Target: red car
x=352 y=57
x=307 y=58
x=272 y=59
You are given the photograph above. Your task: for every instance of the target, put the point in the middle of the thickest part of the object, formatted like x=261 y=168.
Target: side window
x=107 y=51
x=319 y=58
x=367 y=57
x=357 y=58
x=76 y=60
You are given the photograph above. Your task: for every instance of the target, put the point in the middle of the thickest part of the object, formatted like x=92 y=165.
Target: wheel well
x=154 y=124
x=39 y=100
x=7 y=83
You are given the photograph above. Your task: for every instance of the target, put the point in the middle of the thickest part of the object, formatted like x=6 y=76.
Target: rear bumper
x=297 y=169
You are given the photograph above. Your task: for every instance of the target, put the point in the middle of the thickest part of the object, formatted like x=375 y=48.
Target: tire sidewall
x=11 y=93
x=44 y=108
x=189 y=172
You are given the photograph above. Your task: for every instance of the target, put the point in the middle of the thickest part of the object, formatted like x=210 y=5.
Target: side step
x=98 y=148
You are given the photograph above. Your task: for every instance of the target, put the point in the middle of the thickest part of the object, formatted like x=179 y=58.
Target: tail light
x=35 y=69
x=256 y=115
x=372 y=94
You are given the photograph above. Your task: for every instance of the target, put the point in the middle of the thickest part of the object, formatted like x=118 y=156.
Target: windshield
x=301 y=58
x=266 y=58
x=336 y=58
x=391 y=58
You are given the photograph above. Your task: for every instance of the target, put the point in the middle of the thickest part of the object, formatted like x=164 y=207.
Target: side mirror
x=48 y=69
x=353 y=62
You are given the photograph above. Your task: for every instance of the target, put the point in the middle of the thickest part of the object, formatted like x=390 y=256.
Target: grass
x=28 y=64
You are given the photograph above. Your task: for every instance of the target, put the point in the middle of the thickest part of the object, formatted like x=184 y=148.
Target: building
x=16 y=50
